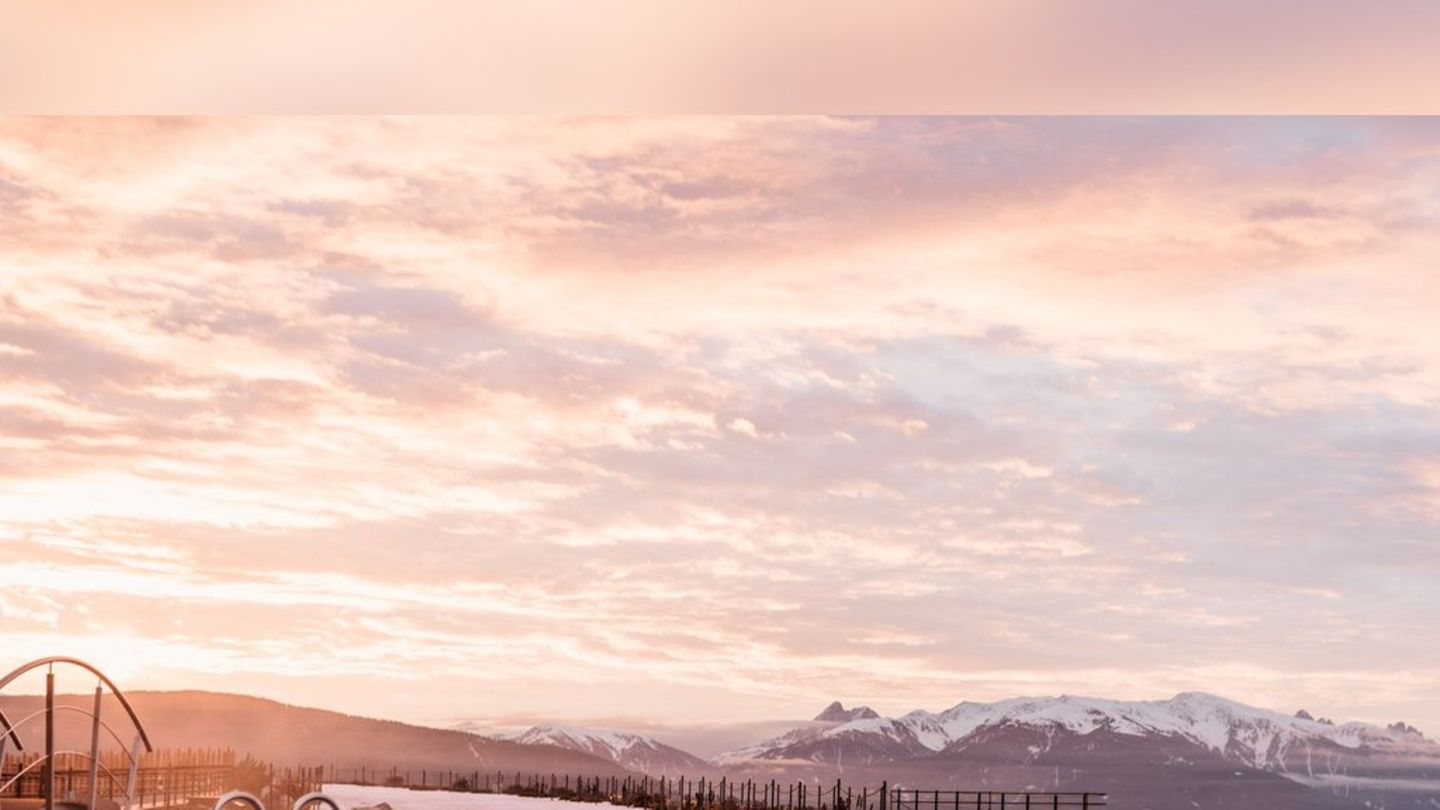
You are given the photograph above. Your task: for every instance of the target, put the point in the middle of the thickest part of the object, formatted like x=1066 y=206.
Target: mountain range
x=633 y=752
x=1194 y=750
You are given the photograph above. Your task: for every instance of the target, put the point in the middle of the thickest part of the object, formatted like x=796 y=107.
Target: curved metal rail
x=9 y=729
x=255 y=804
x=40 y=712
x=238 y=796
x=51 y=756
x=33 y=765
x=60 y=659
x=315 y=796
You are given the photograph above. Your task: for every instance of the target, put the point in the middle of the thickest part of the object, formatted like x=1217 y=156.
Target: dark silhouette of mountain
x=291 y=735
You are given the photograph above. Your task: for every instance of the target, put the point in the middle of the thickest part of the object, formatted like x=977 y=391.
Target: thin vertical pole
x=131 y=784
x=95 y=751
x=49 y=775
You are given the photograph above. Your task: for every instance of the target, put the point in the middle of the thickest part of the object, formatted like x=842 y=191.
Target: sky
x=649 y=56
x=697 y=420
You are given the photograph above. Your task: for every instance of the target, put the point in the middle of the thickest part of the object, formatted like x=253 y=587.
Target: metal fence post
x=131 y=785
x=95 y=750
x=48 y=780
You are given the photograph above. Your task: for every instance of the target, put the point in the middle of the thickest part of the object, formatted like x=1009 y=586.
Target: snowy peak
x=632 y=751
x=611 y=744
x=1247 y=735
x=837 y=713
x=865 y=741
x=1256 y=737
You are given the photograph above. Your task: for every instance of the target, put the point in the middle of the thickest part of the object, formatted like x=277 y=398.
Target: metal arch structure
x=310 y=798
x=104 y=726
x=254 y=803
x=115 y=690
x=239 y=796
x=9 y=732
x=109 y=774
x=48 y=759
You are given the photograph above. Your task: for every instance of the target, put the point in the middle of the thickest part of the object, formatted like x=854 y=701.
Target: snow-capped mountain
x=1192 y=739
x=631 y=751
x=1257 y=738
x=853 y=727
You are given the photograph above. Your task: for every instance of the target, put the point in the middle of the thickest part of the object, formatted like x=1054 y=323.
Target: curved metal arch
x=24 y=770
x=239 y=796
x=60 y=659
x=316 y=796
x=41 y=761
x=41 y=712
x=9 y=729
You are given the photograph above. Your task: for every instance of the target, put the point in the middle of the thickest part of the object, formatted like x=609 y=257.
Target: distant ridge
x=631 y=751
x=292 y=735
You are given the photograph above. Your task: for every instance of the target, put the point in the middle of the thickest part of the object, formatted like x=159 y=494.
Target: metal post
x=131 y=784
x=884 y=795
x=48 y=779
x=95 y=751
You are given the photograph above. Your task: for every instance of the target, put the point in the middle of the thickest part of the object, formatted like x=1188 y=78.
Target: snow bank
x=350 y=796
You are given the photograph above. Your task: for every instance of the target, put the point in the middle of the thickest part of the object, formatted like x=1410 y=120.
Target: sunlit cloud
x=768 y=411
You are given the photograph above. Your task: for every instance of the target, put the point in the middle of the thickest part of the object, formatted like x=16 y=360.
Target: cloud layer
x=709 y=418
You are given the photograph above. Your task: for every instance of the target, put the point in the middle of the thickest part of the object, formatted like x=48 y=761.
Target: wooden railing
x=905 y=799
x=165 y=778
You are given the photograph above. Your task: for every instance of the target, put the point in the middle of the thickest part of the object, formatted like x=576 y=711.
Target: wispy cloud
x=763 y=411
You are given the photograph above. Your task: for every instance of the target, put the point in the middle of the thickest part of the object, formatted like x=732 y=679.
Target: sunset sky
x=858 y=56
x=705 y=419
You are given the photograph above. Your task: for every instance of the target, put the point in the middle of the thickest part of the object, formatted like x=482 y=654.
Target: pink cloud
x=515 y=387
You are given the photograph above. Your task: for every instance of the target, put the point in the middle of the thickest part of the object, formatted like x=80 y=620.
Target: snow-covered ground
x=348 y=796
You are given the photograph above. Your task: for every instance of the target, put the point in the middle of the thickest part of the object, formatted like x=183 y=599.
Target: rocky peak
x=837 y=713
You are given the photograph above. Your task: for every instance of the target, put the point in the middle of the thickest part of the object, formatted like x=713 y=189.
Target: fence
x=901 y=799
x=179 y=778
x=681 y=793
x=165 y=779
